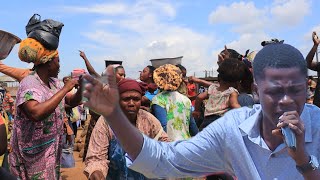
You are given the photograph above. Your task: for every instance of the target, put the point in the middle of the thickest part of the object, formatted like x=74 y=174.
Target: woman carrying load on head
x=38 y=127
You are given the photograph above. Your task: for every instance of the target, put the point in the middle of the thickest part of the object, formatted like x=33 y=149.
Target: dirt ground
x=77 y=171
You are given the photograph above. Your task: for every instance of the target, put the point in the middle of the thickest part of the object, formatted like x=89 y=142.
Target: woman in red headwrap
x=105 y=157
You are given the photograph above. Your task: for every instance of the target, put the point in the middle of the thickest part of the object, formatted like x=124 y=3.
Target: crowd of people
x=164 y=125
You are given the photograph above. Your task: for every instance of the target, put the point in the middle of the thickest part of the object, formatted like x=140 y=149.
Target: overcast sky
x=137 y=31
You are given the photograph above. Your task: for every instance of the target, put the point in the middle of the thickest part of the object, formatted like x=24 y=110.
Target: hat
x=31 y=50
x=168 y=77
x=131 y=85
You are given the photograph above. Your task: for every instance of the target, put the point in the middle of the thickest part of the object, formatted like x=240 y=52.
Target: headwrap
x=32 y=51
x=168 y=77
x=131 y=85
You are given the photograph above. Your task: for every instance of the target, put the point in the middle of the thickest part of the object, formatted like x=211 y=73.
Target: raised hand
x=70 y=84
x=223 y=55
x=293 y=121
x=315 y=38
x=82 y=54
x=102 y=98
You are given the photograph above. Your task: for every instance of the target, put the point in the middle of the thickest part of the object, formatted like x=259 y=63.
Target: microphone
x=289 y=137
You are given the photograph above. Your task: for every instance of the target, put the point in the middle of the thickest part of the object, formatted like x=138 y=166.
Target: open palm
x=102 y=98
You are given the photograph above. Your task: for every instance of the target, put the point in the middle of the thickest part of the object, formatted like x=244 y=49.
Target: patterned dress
x=37 y=145
x=105 y=154
x=218 y=102
x=178 y=109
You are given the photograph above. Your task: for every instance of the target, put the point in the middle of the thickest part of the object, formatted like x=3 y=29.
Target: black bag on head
x=47 y=32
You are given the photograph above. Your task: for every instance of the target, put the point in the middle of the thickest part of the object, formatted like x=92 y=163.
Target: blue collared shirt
x=231 y=144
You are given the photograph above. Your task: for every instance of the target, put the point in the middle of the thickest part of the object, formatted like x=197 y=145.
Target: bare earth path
x=76 y=172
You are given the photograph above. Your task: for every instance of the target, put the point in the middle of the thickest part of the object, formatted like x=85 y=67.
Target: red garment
x=191 y=91
x=1 y=120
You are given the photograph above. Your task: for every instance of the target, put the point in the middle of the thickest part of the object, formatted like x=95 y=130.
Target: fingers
x=220 y=59
x=277 y=132
x=111 y=76
x=293 y=121
x=297 y=130
x=91 y=79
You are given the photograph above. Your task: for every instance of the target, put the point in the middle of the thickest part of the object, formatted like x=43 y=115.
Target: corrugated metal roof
x=6 y=78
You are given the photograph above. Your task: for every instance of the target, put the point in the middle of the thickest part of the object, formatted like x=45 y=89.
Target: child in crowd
x=222 y=96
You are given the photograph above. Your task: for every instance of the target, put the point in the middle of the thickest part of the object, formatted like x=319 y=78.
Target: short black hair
x=246 y=81
x=119 y=67
x=231 y=70
x=151 y=69
x=278 y=56
x=234 y=54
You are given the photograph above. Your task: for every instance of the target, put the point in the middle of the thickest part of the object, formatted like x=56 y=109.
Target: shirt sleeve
x=199 y=156
x=232 y=89
x=161 y=114
x=96 y=159
x=212 y=89
x=29 y=90
x=16 y=73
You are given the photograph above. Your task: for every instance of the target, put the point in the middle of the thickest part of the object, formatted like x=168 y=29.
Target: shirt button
x=272 y=155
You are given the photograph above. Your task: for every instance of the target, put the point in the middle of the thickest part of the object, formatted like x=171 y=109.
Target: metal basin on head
x=109 y=62
x=162 y=61
x=7 y=42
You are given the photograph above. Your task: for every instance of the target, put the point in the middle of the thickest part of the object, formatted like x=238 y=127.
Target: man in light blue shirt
x=233 y=144
x=247 y=143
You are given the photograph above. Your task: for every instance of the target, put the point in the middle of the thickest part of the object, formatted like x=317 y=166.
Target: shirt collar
x=251 y=126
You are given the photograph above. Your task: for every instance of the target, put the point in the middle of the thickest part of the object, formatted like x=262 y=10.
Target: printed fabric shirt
x=178 y=109
x=218 y=101
x=8 y=103
x=101 y=136
x=231 y=144
x=37 y=145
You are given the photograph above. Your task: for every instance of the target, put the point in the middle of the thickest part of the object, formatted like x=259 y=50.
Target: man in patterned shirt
x=105 y=158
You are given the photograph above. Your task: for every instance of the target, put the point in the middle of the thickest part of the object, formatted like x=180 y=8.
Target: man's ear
x=255 y=92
